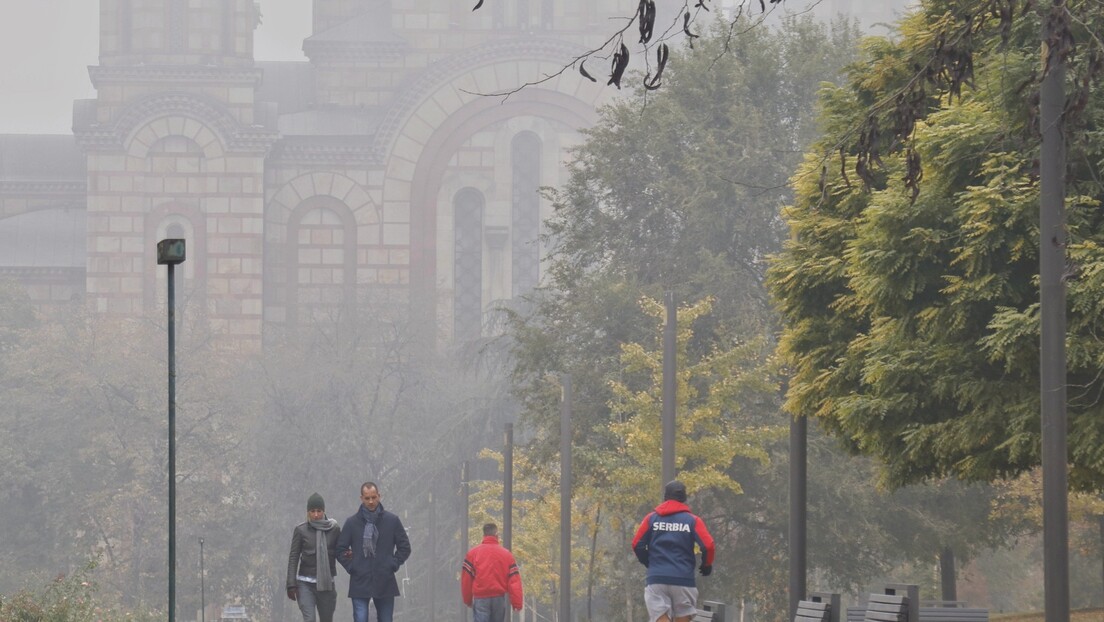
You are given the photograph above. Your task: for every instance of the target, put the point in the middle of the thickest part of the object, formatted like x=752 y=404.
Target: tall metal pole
x=508 y=488
x=202 y=587
x=465 y=492
x=1052 y=301
x=172 y=443
x=670 y=332
x=432 y=557
x=565 y=502
x=799 y=429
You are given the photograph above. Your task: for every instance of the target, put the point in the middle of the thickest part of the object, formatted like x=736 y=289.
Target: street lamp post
x=202 y=587
x=169 y=253
x=670 y=345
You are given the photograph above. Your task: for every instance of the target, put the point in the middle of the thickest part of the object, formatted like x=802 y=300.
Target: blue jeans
x=385 y=609
x=490 y=609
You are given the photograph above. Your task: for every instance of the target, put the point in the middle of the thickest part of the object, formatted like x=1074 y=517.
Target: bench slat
x=954 y=615
x=807 y=618
x=812 y=605
x=891 y=599
x=883 y=616
x=884 y=608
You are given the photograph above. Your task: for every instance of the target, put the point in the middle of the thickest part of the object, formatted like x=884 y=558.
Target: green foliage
x=673 y=190
x=84 y=452
x=911 y=326
x=68 y=598
x=16 y=315
x=719 y=411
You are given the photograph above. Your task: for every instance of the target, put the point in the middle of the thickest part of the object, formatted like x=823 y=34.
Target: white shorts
x=678 y=601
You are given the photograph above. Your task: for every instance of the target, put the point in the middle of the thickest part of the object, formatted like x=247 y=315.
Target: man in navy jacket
x=664 y=543
x=372 y=546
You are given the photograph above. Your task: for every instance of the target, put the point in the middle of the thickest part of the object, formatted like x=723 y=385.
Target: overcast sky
x=47 y=46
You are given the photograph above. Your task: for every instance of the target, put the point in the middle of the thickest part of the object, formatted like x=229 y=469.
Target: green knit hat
x=315 y=502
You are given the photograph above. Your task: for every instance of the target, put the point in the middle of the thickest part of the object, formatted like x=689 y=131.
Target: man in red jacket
x=490 y=574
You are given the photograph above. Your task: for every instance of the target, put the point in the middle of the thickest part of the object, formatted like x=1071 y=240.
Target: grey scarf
x=371 y=533
x=322 y=553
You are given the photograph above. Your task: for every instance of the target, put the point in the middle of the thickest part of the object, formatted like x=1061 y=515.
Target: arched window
x=125 y=25
x=178 y=25
x=525 y=160
x=321 y=276
x=468 y=264
x=523 y=14
x=229 y=25
x=175 y=221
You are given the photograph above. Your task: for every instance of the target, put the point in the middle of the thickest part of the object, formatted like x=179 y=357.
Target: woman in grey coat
x=312 y=563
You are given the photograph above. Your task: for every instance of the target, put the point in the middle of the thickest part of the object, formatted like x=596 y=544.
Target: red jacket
x=490 y=571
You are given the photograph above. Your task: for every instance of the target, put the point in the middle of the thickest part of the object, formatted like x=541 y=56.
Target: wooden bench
x=934 y=611
x=953 y=613
x=712 y=612
x=818 y=607
x=887 y=608
x=897 y=602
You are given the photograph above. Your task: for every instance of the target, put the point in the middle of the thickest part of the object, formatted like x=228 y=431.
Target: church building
x=379 y=175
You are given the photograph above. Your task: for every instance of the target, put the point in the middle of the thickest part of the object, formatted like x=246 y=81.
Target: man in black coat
x=372 y=546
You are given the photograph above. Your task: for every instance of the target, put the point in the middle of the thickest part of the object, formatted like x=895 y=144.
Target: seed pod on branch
x=618 y=66
x=646 y=14
x=662 y=53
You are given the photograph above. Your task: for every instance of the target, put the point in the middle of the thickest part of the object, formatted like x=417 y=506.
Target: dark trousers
x=309 y=598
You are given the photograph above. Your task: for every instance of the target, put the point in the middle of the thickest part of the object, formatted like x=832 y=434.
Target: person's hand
x=705 y=570
x=347 y=555
x=293 y=593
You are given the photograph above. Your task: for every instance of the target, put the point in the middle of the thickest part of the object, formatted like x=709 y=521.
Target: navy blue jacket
x=373 y=576
x=665 y=541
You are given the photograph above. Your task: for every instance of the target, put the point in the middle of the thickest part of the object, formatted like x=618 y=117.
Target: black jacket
x=374 y=576
x=303 y=559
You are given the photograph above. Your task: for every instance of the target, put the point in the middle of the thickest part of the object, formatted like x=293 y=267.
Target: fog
x=55 y=42
x=368 y=296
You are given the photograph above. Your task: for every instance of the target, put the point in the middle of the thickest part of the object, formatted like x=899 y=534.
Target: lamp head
x=170 y=251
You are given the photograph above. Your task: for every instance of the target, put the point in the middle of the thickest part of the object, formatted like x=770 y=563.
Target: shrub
x=67 y=598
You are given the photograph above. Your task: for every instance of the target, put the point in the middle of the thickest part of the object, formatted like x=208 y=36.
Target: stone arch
x=431 y=154
x=339 y=193
x=320 y=183
x=444 y=107
x=143 y=139
x=502 y=65
x=202 y=119
x=159 y=222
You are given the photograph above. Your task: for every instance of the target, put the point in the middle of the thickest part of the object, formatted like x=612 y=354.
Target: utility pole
x=565 y=502
x=508 y=489
x=465 y=492
x=1052 y=312
x=171 y=252
x=799 y=433
x=670 y=345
